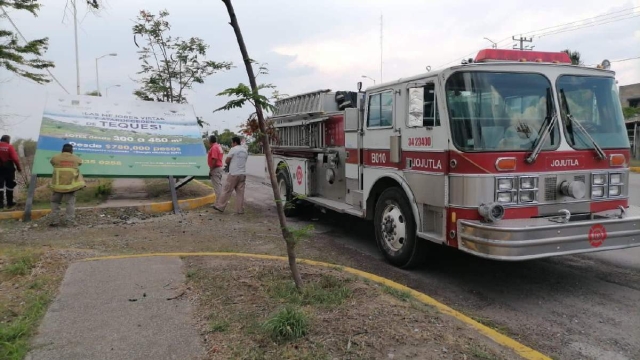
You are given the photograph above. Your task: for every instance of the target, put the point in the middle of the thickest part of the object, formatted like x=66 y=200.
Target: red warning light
x=488 y=55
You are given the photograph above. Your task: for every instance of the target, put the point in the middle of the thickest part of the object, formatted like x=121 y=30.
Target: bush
x=287 y=324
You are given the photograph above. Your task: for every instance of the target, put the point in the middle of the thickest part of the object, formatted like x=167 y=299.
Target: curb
x=153 y=208
x=635 y=169
x=522 y=350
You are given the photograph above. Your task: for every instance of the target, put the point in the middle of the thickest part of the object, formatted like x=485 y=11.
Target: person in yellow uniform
x=65 y=181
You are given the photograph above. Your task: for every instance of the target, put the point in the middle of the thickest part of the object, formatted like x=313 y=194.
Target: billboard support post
x=174 y=195
x=32 y=190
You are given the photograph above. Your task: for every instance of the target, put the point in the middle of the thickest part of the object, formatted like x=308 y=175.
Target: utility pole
x=380 y=48
x=75 y=32
x=522 y=40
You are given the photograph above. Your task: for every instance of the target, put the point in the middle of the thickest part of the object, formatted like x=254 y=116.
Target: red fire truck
x=513 y=155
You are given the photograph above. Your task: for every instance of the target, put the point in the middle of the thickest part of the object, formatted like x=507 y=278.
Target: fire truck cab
x=515 y=155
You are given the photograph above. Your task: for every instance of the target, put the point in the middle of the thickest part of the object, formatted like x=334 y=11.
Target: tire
x=395 y=230
x=286 y=192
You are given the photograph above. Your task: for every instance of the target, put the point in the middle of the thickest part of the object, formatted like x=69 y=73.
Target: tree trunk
x=286 y=234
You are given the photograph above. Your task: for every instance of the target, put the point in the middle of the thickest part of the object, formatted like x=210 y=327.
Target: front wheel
x=396 y=230
x=286 y=193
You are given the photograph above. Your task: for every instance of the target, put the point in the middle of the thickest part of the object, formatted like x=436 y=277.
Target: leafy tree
x=23 y=60
x=169 y=65
x=93 y=93
x=244 y=94
x=574 y=56
x=630 y=112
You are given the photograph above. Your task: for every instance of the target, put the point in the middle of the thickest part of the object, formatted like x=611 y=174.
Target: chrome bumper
x=525 y=239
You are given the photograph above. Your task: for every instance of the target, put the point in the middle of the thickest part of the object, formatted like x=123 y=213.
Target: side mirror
x=359 y=85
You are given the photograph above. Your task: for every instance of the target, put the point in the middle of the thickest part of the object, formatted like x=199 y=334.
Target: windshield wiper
x=550 y=122
x=577 y=124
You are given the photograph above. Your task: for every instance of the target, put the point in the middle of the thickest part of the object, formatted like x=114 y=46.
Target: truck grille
x=580 y=178
x=550 y=188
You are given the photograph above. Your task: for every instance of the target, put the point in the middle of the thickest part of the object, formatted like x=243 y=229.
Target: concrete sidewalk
x=119 y=309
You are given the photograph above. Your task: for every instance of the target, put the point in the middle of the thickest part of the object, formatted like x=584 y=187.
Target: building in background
x=630 y=98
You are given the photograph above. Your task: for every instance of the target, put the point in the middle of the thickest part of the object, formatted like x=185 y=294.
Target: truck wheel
x=396 y=230
x=286 y=192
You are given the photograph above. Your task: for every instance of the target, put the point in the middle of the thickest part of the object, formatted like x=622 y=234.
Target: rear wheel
x=286 y=192
x=396 y=230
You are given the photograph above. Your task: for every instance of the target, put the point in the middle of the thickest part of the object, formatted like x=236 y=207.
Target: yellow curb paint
x=635 y=169
x=153 y=208
x=522 y=350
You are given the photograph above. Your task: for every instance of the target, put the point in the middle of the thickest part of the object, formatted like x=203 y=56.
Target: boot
x=10 y=203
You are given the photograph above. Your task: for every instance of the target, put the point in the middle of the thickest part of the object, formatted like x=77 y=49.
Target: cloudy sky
x=311 y=45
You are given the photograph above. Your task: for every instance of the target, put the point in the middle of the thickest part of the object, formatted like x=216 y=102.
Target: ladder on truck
x=299 y=120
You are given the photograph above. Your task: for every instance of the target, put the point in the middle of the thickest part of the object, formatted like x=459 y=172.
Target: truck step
x=336 y=206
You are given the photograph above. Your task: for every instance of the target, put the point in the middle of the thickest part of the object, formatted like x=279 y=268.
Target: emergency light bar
x=488 y=55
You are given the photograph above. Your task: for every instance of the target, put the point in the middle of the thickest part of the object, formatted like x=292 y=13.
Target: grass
x=287 y=324
x=480 y=353
x=96 y=192
x=401 y=295
x=219 y=325
x=21 y=265
x=328 y=291
x=25 y=304
x=634 y=162
x=491 y=324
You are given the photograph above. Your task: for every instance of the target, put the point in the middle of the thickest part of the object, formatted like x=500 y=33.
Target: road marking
x=522 y=350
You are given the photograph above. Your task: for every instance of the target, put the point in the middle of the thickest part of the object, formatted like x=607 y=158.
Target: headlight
x=505 y=197
x=615 y=179
x=599 y=179
x=505 y=184
x=615 y=190
x=527 y=183
x=597 y=191
x=527 y=196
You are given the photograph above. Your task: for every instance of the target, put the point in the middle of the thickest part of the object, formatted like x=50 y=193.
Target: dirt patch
x=348 y=318
x=96 y=192
x=158 y=189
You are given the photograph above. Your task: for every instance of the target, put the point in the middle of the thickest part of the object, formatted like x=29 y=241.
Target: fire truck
x=513 y=155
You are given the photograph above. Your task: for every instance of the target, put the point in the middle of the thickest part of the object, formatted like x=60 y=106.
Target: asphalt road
x=571 y=307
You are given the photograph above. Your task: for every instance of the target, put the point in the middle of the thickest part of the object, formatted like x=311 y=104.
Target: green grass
x=401 y=295
x=191 y=273
x=287 y=324
x=491 y=324
x=328 y=291
x=21 y=265
x=14 y=335
x=479 y=353
x=219 y=326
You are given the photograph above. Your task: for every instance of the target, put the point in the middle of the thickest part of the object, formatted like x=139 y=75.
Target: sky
x=309 y=45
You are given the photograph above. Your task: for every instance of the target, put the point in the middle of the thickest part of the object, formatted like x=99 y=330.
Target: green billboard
x=118 y=138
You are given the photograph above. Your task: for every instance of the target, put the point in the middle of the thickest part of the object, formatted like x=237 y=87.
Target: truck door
x=379 y=127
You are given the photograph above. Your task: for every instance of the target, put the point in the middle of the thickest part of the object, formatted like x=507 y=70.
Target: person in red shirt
x=9 y=163
x=215 y=165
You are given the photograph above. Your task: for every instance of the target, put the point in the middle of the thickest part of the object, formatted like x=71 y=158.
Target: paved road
x=572 y=307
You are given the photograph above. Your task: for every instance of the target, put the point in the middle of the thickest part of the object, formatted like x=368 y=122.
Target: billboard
x=118 y=138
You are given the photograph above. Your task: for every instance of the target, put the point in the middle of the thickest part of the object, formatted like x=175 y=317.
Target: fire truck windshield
x=591 y=112
x=492 y=111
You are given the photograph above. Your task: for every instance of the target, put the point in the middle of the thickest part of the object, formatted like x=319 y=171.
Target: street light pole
x=107 y=89
x=75 y=34
x=367 y=77
x=97 y=77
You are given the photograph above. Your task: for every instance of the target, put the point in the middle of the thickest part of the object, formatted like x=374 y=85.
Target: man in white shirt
x=237 y=162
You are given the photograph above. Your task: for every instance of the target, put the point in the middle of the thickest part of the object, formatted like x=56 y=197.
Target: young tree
x=252 y=95
x=170 y=65
x=574 y=56
x=23 y=60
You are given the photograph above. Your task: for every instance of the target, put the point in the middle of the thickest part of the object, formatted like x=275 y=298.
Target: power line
x=586 y=19
x=25 y=40
x=621 y=60
x=584 y=26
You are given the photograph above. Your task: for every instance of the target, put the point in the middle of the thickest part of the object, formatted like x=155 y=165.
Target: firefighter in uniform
x=9 y=163
x=65 y=181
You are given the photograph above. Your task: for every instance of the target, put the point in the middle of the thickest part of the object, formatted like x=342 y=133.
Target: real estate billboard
x=118 y=138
